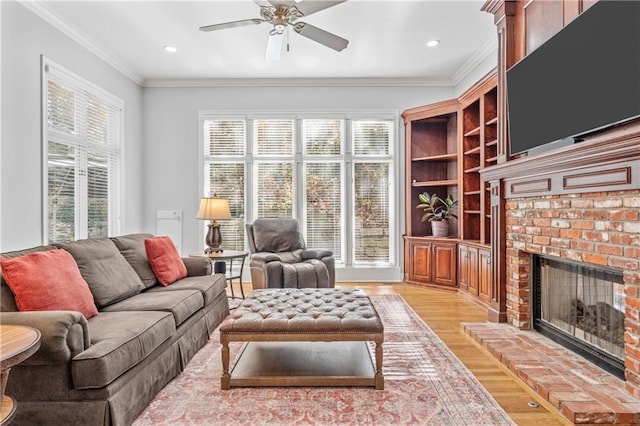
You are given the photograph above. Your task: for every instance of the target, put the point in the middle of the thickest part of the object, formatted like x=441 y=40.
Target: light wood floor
x=443 y=312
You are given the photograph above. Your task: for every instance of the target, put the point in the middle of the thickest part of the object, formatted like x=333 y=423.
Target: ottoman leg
x=225 y=380
x=379 y=376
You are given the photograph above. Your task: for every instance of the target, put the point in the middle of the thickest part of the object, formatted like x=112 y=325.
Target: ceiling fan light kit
x=282 y=14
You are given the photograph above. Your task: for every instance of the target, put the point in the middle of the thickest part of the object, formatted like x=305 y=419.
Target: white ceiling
x=386 y=39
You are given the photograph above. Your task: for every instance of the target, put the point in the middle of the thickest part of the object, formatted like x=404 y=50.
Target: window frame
x=347 y=159
x=84 y=149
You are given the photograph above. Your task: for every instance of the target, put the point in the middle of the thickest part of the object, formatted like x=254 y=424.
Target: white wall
x=25 y=37
x=172 y=178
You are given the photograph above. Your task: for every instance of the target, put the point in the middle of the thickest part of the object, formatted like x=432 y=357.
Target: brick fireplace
x=579 y=203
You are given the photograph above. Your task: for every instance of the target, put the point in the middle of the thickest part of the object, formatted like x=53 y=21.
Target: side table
x=219 y=261
x=17 y=343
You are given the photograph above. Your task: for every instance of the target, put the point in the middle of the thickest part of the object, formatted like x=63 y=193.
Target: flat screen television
x=585 y=78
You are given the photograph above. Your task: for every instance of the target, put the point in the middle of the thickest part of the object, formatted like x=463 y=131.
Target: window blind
x=83 y=132
x=226 y=180
x=224 y=137
x=323 y=207
x=273 y=137
x=372 y=137
x=275 y=187
x=372 y=242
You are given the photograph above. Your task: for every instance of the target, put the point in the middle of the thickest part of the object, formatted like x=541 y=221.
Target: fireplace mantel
x=605 y=161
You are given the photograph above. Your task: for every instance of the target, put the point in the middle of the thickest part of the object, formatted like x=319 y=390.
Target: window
x=82 y=142
x=336 y=175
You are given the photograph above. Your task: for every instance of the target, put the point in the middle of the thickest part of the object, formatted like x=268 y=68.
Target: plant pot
x=440 y=228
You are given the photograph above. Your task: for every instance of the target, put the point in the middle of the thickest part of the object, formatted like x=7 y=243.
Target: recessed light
x=432 y=43
x=170 y=49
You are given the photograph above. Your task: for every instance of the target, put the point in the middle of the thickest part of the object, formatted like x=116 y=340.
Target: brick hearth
x=584 y=393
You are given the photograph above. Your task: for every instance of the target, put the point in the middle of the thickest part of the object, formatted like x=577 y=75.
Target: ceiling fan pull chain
x=287 y=39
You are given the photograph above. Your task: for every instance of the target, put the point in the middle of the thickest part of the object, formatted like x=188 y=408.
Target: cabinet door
x=420 y=269
x=463 y=267
x=484 y=266
x=472 y=263
x=444 y=264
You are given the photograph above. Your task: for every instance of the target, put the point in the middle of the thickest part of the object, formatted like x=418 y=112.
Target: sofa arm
x=315 y=254
x=197 y=266
x=64 y=334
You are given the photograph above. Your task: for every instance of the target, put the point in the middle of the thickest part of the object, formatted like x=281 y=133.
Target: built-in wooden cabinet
x=431 y=160
x=433 y=261
x=478 y=150
x=474 y=271
x=447 y=144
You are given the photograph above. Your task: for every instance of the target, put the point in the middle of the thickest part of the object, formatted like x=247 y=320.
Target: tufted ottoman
x=303 y=337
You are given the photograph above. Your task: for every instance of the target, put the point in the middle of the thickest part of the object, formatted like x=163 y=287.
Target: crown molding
x=488 y=48
x=39 y=8
x=296 y=82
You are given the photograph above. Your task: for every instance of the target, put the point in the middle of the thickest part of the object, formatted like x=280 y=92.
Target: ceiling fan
x=283 y=14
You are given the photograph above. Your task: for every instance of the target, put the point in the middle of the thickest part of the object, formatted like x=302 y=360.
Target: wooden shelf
x=452 y=182
x=475 y=150
x=491 y=159
x=472 y=212
x=473 y=132
x=492 y=142
x=441 y=157
x=473 y=169
x=494 y=120
x=467 y=193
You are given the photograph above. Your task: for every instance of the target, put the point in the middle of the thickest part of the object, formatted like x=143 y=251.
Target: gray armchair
x=280 y=258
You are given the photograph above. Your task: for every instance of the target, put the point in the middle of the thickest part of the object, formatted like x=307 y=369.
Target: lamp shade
x=214 y=208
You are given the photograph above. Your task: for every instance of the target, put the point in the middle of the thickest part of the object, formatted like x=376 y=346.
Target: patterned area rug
x=425 y=384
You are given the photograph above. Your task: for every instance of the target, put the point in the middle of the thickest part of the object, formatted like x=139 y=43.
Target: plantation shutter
x=83 y=132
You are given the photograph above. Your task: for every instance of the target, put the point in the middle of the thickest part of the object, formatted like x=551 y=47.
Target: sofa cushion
x=119 y=340
x=48 y=281
x=165 y=261
x=276 y=235
x=182 y=304
x=132 y=248
x=7 y=299
x=109 y=275
x=210 y=286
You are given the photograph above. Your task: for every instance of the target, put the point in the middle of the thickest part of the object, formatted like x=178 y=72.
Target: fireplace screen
x=584 y=302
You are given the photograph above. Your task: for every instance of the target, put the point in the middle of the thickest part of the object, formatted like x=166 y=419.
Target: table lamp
x=213 y=208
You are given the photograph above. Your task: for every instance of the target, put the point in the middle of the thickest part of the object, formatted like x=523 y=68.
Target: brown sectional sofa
x=106 y=370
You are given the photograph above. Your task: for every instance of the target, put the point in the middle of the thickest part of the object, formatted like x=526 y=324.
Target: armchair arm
x=197 y=266
x=315 y=254
x=64 y=334
x=265 y=257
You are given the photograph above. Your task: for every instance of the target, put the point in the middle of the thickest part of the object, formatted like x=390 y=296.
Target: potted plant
x=438 y=211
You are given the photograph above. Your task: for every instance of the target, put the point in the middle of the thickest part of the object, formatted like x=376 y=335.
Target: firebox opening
x=582 y=308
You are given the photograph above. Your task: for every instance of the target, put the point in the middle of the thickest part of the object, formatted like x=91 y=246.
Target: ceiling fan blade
x=232 y=24
x=262 y=3
x=309 y=7
x=274 y=46
x=321 y=36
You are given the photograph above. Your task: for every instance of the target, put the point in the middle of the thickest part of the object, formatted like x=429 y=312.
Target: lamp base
x=213 y=240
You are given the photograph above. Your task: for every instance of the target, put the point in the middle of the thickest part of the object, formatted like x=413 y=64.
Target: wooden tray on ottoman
x=287 y=331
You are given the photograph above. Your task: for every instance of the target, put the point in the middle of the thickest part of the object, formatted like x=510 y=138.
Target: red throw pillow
x=166 y=263
x=48 y=281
